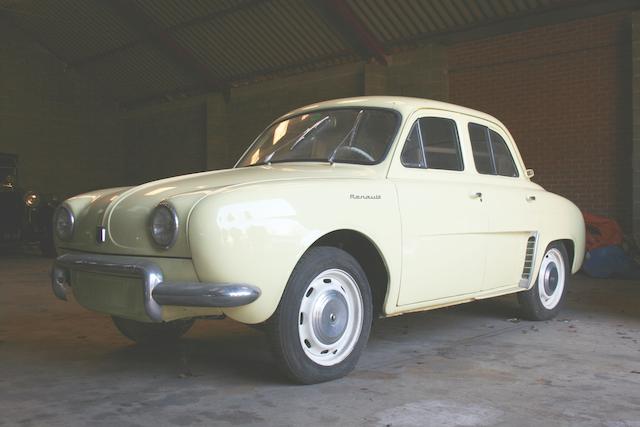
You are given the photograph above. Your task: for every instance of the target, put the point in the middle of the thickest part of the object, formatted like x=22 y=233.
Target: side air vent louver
x=528 y=260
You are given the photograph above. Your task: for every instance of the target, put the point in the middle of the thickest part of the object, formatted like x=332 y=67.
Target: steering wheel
x=359 y=151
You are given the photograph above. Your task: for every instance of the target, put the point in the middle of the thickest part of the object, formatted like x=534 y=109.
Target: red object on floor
x=601 y=231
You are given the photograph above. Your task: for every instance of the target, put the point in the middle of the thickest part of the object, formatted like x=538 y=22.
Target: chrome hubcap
x=551 y=278
x=330 y=317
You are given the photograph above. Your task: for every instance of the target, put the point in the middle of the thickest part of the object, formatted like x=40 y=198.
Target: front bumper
x=156 y=291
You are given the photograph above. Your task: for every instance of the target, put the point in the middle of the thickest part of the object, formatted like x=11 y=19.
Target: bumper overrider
x=157 y=292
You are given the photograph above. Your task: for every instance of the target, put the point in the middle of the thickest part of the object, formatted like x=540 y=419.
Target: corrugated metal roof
x=139 y=72
x=283 y=32
x=172 y=13
x=401 y=21
x=235 y=41
x=74 y=29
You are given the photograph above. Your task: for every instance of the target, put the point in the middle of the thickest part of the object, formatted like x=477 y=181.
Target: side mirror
x=530 y=173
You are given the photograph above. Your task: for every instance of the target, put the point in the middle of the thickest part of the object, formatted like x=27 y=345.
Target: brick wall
x=419 y=73
x=233 y=124
x=564 y=92
x=67 y=138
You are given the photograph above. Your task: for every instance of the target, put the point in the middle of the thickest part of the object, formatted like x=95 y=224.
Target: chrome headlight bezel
x=164 y=208
x=31 y=199
x=65 y=233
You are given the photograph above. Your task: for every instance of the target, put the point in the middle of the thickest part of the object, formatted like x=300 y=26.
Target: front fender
x=255 y=234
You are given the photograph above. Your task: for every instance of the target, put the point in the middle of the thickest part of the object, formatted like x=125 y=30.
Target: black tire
x=152 y=333
x=283 y=326
x=531 y=301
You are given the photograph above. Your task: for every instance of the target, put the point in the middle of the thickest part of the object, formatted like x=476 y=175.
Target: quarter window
x=490 y=152
x=433 y=143
x=481 y=148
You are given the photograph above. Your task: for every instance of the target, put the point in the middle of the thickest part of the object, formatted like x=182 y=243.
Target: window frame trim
x=422 y=150
x=396 y=133
x=487 y=130
x=513 y=162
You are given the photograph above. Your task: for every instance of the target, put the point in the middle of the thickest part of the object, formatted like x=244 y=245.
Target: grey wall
x=165 y=143
x=67 y=136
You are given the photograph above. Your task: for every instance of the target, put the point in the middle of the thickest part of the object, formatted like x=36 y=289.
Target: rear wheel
x=152 y=333
x=544 y=300
x=323 y=320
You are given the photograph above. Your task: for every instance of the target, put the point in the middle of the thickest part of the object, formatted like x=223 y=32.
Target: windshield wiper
x=310 y=129
x=348 y=137
x=302 y=136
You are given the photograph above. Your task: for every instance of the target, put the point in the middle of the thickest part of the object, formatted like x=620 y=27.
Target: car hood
x=124 y=212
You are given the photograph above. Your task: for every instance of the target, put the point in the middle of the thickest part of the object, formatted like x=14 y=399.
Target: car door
x=508 y=199
x=444 y=221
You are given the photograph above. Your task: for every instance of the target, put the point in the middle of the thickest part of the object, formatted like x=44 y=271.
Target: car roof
x=403 y=104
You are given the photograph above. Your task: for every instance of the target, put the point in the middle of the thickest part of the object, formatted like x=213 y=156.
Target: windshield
x=358 y=135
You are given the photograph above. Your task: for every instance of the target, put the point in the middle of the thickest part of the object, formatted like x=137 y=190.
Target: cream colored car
x=338 y=212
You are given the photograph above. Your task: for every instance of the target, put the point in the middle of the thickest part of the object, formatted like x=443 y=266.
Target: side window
x=490 y=152
x=505 y=165
x=433 y=143
x=412 y=153
x=481 y=148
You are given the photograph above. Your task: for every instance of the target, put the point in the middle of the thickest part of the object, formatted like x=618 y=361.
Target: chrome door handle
x=476 y=195
x=531 y=198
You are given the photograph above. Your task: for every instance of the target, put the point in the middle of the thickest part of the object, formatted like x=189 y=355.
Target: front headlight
x=63 y=223
x=31 y=199
x=164 y=225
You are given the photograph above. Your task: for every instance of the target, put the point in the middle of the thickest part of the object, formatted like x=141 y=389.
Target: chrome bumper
x=157 y=292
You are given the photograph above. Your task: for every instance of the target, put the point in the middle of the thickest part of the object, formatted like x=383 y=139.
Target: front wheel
x=152 y=333
x=544 y=300
x=323 y=320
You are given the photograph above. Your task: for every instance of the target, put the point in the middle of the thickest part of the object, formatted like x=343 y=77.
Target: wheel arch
x=574 y=261
x=368 y=255
x=569 y=246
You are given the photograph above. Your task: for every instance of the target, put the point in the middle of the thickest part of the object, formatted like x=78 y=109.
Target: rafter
x=147 y=27
x=344 y=20
x=169 y=30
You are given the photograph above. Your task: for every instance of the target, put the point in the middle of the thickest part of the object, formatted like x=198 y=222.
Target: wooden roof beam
x=148 y=28
x=343 y=19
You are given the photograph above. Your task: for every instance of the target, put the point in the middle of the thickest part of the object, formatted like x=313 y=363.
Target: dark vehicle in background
x=25 y=216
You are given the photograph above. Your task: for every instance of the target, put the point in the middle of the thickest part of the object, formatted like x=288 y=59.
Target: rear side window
x=433 y=143
x=505 y=165
x=481 y=148
x=490 y=152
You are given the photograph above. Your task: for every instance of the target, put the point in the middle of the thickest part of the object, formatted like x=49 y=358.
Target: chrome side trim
x=60 y=282
x=529 y=262
x=205 y=294
x=156 y=292
x=72 y=219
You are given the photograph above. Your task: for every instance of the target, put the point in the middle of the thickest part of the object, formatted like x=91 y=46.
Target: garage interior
x=97 y=94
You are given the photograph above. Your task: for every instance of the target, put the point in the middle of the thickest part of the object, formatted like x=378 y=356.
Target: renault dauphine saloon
x=338 y=212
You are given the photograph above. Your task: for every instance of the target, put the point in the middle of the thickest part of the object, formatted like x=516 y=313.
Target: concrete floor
x=474 y=364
